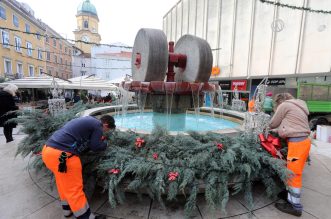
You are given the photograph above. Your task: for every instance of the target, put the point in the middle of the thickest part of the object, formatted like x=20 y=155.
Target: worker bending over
x=61 y=155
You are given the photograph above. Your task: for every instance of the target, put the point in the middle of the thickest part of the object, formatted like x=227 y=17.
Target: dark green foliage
x=197 y=160
x=195 y=157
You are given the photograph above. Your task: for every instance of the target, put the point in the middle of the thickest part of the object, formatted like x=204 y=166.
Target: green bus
x=318 y=99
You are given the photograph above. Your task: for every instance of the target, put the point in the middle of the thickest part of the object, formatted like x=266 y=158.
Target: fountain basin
x=218 y=114
x=147 y=121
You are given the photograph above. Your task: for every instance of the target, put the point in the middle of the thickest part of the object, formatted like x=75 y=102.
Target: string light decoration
x=60 y=38
x=257 y=122
x=57 y=103
x=30 y=57
x=294 y=7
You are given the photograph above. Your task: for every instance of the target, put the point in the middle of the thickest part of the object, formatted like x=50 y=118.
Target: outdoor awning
x=80 y=83
x=91 y=83
x=36 y=82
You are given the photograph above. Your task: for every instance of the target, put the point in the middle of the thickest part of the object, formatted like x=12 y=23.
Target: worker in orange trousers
x=291 y=120
x=61 y=155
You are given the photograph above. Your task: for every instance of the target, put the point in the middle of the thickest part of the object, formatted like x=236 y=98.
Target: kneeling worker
x=61 y=156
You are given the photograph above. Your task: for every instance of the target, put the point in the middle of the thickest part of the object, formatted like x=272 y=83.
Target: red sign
x=241 y=84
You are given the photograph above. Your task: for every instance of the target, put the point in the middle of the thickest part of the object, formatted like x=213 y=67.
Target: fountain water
x=171 y=80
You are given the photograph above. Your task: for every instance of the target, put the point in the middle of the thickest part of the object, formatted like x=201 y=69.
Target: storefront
x=228 y=87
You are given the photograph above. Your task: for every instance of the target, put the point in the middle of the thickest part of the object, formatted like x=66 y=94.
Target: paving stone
x=316 y=176
x=260 y=198
x=133 y=208
x=271 y=212
x=52 y=210
x=316 y=203
x=173 y=210
x=234 y=207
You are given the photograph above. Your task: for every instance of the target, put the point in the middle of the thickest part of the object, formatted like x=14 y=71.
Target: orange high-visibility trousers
x=296 y=158
x=69 y=184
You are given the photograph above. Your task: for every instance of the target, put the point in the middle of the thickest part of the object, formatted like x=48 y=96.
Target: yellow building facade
x=87 y=26
x=21 y=54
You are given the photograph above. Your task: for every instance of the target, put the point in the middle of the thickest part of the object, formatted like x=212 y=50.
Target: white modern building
x=252 y=39
x=111 y=62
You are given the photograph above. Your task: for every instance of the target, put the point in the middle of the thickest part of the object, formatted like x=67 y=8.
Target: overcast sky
x=120 y=20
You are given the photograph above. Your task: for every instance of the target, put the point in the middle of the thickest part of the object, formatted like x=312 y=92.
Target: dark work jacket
x=7 y=103
x=78 y=136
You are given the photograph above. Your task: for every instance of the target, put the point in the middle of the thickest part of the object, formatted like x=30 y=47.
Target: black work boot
x=282 y=195
x=288 y=208
x=100 y=216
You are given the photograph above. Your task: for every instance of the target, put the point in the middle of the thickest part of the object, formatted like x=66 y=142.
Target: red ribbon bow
x=103 y=138
x=37 y=153
x=114 y=171
x=271 y=144
x=155 y=156
x=172 y=176
x=219 y=146
x=139 y=142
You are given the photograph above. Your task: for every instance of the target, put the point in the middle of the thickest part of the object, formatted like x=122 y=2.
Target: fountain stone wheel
x=151 y=47
x=199 y=59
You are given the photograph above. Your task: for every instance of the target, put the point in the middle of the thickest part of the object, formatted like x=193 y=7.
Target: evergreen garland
x=164 y=165
x=193 y=161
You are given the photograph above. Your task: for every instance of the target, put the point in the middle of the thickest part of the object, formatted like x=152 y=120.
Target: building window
x=31 y=70
x=38 y=35
x=3 y=13
x=8 y=68
x=15 y=21
x=29 y=48
x=54 y=42
x=55 y=59
x=65 y=50
x=46 y=39
x=19 y=70
x=70 y=52
x=18 y=44
x=48 y=55
x=40 y=70
x=40 y=54
x=5 y=39
x=60 y=46
x=27 y=28
x=61 y=60
x=85 y=25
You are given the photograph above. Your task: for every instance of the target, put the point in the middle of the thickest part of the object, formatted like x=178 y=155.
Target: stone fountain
x=168 y=77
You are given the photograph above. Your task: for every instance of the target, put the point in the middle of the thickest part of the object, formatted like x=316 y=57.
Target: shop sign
x=241 y=84
x=276 y=81
x=225 y=85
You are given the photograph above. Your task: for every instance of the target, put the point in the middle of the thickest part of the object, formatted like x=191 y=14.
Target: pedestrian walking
x=7 y=101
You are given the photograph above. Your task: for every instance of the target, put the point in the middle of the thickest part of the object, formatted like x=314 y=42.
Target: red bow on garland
x=114 y=171
x=139 y=142
x=219 y=146
x=155 y=156
x=172 y=176
x=271 y=144
x=37 y=153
